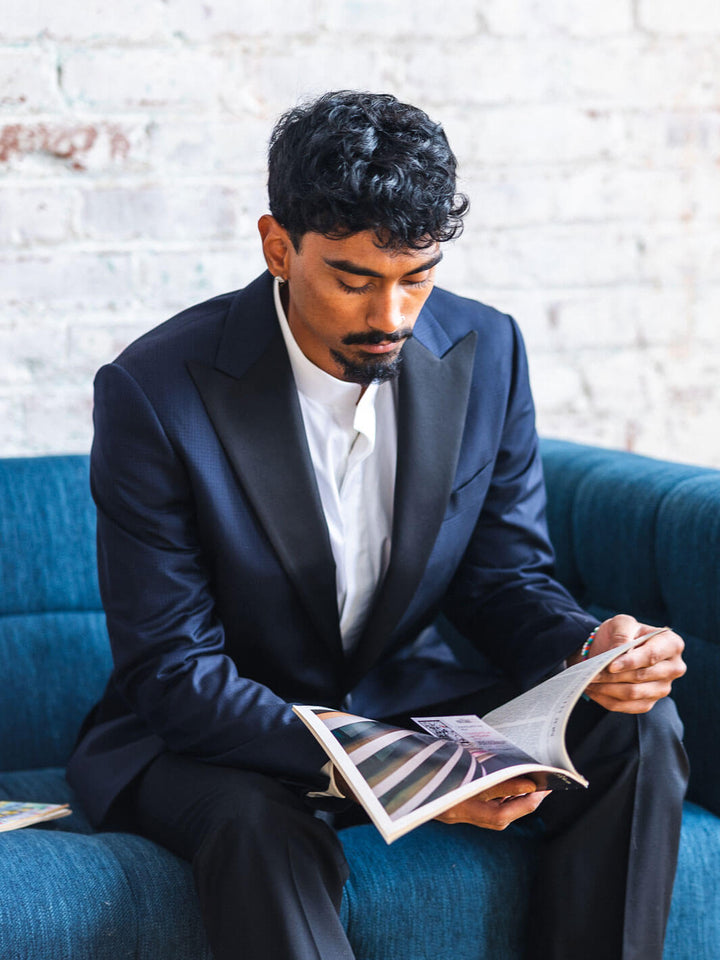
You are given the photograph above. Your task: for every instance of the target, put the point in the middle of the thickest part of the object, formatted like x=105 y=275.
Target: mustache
x=377 y=336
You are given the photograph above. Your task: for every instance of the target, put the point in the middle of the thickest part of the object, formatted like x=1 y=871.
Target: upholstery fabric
x=106 y=896
x=688 y=549
x=47 y=532
x=440 y=891
x=694 y=925
x=639 y=535
x=53 y=642
x=56 y=665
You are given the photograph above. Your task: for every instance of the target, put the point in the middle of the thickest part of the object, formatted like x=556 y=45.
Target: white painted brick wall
x=132 y=172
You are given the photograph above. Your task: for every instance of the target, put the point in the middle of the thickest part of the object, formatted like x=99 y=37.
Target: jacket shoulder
x=457 y=316
x=182 y=335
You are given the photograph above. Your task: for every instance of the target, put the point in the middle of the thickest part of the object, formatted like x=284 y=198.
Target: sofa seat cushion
x=441 y=891
x=105 y=896
x=694 y=924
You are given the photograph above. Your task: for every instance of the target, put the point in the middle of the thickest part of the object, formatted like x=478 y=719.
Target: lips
x=375 y=348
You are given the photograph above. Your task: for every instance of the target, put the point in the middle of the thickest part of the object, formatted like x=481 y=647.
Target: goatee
x=372 y=370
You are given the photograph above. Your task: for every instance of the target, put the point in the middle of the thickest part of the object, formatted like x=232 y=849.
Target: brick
x=641 y=72
x=706 y=310
x=565 y=17
x=230 y=146
x=402 y=18
x=102 y=337
x=94 y=19
x=59 y=419
x=627 y=71
x=570 y=256
x=599 y=431
x=705 y=191
x=172 y=280
x=49 y=148
x=654 y=138
x=627 y=317
x=152 y=77
x=604 y=192
x=28 y=80
x=36 y=215
x=558 y=384
x=671 y=17
x=290 y=73
x=555 y=133
x=67 y=278
x=13 y=432
x=170 y=212
x=514 y=195
x=228 y=18
x=31 y=353
x=487 y=70
x=614 y=383
x=682 y=258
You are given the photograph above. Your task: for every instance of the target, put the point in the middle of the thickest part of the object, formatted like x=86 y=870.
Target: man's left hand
x=639 y=678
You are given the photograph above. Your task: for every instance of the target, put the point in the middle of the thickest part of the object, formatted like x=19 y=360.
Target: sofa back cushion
x=53 y=644
x=642 y=536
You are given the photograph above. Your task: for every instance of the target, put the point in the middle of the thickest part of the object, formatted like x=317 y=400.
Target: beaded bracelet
x=585 y=649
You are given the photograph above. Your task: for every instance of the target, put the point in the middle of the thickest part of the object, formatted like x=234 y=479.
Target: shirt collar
x=341 y=397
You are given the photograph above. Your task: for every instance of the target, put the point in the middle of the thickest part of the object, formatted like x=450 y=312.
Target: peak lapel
x=258 y=419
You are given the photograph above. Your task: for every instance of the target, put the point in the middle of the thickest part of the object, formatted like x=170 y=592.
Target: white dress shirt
x=353 y=447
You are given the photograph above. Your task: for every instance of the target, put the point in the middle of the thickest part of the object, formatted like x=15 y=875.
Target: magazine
x=404 y=778
x=14 y=814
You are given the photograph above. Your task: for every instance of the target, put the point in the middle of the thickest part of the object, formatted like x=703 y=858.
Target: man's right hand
x=498 y=807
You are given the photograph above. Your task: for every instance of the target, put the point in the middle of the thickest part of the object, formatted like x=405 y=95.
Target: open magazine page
x=404 y=778
x=478 y=737
x=536 y=721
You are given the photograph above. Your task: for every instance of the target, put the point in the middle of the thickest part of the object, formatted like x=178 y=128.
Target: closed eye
x=416 y=284
x=346 y=286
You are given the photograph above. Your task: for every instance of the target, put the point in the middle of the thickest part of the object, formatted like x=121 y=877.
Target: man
x=297 y=485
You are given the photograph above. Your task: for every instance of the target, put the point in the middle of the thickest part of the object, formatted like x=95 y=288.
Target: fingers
x=620 y=629
x=518 y=786
x=500 y=810
x=664 y=671
x=639 y=678
x=628 y=697
x=663 y=647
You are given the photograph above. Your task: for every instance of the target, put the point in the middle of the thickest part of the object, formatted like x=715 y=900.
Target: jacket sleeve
x=167 y=640
x=504 y=597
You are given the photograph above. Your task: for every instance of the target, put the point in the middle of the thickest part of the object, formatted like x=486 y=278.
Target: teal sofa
x=631 y=534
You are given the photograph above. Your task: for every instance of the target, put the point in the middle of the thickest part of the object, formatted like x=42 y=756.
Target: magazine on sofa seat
x=15 y=814
x=404 y=778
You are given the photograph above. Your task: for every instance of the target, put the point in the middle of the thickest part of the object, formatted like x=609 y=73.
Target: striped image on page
x=403 y=769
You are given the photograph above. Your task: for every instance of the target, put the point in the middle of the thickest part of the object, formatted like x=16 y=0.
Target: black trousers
x=270 y=874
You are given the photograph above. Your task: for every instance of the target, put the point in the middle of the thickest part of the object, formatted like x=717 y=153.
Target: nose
x=386 y=312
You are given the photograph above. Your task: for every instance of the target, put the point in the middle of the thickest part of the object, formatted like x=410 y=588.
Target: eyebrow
x=347 y=266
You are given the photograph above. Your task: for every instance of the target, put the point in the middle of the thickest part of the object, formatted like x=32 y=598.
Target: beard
x=372 y=368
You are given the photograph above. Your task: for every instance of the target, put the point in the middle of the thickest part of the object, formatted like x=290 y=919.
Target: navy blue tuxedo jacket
x=215 y=566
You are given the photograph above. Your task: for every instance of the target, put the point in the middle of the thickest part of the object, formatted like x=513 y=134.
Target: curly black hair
x=352 y=161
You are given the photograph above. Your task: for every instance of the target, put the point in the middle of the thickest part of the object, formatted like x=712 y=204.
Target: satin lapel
x=258 y=419
x=432 y=403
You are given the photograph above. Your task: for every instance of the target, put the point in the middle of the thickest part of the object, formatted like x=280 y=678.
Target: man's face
x=351 y=305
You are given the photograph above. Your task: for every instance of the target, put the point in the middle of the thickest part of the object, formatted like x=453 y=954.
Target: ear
x=276 y=246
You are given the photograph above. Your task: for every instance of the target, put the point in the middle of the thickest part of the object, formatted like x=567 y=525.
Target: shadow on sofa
x=631 y=534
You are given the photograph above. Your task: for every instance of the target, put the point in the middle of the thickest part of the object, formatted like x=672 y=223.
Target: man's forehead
x=364 y=252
